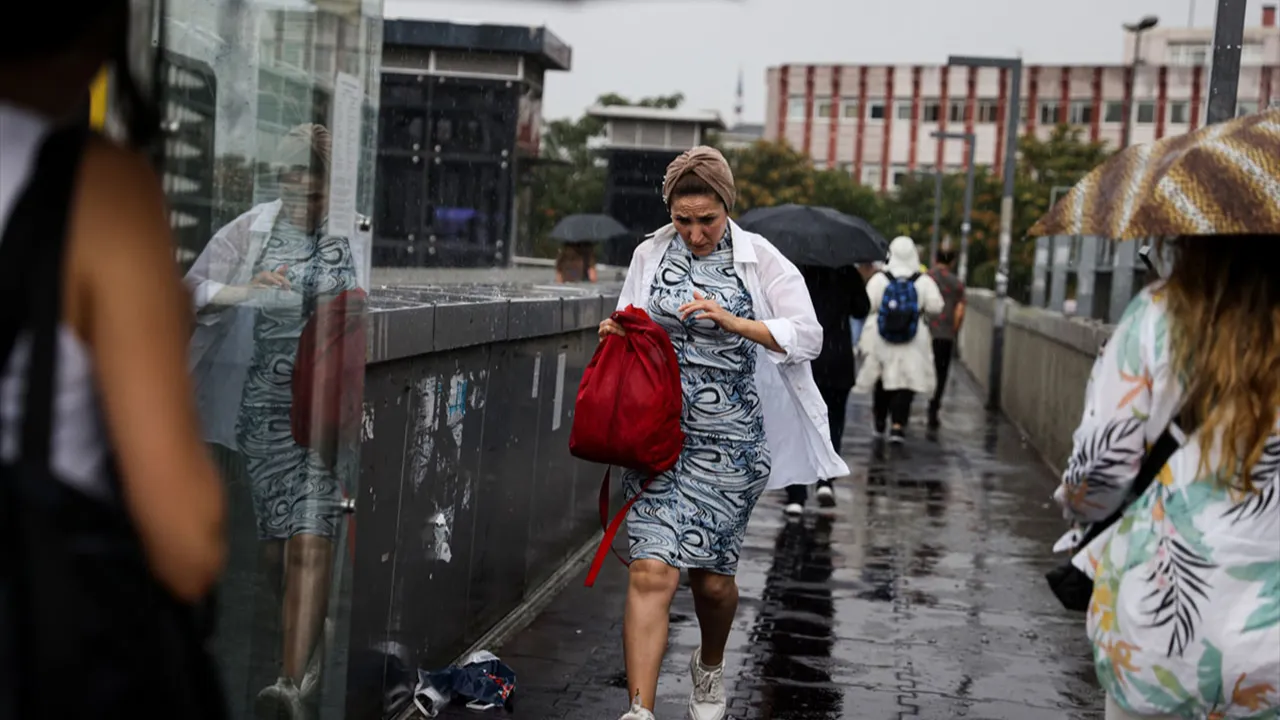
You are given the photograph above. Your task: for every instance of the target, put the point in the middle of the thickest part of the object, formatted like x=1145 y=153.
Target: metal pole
x=1006 y=233
x=1224 y=76
x=1127 y=130
x=937 y=214
x=968 y=212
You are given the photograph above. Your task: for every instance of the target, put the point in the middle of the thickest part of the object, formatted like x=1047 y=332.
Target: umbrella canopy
x=1222 y=179
x=588 y=228
x=817 y=236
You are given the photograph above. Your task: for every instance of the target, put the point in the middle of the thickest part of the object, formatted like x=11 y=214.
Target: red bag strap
x=611 y=527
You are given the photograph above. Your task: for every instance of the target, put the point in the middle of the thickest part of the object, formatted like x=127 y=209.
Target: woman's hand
x=269 y=278
x=609 y=327
x=709 y=309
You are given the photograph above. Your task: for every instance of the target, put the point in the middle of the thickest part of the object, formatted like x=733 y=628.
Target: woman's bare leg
x=308 y=566
x=715 y=599
x=644 y=628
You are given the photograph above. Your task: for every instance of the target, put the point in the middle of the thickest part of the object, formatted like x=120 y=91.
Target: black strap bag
x=86 y=629
x=1072 y=586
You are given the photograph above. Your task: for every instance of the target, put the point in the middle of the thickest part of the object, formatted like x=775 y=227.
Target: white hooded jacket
x=908 y=366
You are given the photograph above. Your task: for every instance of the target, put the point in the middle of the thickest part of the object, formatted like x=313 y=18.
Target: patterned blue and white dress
x=293 y=491
x=695 y=515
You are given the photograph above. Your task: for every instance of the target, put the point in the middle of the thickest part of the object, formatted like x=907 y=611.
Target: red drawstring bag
x=628 y=412
x=328 y=375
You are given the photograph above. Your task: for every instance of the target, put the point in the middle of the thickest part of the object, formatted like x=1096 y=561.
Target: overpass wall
x=1047 y=361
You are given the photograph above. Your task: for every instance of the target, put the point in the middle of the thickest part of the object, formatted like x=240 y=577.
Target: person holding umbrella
x=1184 y=615
x=578 y=234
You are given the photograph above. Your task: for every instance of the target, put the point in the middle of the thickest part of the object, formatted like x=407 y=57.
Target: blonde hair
x=1224 y=306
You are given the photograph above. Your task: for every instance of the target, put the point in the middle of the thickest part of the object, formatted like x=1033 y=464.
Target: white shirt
x=795 y=416
x=79 y=446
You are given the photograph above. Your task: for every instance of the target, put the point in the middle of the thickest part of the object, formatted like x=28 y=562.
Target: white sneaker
x=707 y=701
x=637 y=711
x=794 y=509
x=826 y=496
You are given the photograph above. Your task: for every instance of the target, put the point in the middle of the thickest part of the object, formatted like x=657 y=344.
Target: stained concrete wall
x=468 y=498
x=1047 y=360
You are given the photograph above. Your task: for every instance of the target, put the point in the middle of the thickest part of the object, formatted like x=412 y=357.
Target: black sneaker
x=934 y=422
x=897 y=436
x=879 y=426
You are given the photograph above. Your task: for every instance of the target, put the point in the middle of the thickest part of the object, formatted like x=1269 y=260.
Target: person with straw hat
x=744 y=329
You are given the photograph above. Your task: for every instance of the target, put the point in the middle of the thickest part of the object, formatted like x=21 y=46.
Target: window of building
x=849 y=109
x=1048 y=112
x=955 y=111
x=844 y=167
x=822 y=107
x=871 y=175
x=898 y=175
x=1146 y=112
x=1188 y=54
x=1113 y=112
x=1180 y=112
x=795 y=107
x=1080 y=112
x=930 y=111
x=902 y=109
x=875 y=109
x=1251 y=54
x=1246 y=107
x=988 y=111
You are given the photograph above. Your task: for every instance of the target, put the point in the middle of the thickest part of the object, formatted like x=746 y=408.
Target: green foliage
x=773 y=173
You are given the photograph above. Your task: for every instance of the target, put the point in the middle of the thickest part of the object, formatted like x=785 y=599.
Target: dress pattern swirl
x=293 y=491
x=695 y=515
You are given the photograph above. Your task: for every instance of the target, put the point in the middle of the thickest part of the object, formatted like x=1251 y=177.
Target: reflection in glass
x=269 y=166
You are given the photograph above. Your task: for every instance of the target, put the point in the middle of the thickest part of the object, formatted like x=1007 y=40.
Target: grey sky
x=650 y=47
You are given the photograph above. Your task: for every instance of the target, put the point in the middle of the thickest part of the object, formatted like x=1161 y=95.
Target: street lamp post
x=937 y=212
x=1137 y=29
x=1012 y=117
x=971 y=140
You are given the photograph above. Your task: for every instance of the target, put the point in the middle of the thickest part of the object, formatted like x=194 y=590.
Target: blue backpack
x=899 y=315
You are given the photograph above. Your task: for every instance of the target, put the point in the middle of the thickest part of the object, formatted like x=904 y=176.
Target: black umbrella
x=817 y=235
x=588 y=228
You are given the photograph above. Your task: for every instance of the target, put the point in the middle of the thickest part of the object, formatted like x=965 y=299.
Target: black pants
x=891 y=404
x=943 y=350
x=837 y=402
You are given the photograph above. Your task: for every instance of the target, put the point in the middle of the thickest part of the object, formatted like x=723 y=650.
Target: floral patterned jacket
x=1185 y=615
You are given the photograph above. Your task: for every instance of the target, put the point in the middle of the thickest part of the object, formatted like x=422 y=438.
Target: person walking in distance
x=945 y=326
x=897 y=348
x=839 y=298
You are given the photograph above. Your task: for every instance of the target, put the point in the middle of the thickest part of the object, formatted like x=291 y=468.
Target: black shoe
x=897 y=436
x=934 y=422
x=880 y=425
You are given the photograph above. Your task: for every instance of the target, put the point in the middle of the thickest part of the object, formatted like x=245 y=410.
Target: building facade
x=875 y=121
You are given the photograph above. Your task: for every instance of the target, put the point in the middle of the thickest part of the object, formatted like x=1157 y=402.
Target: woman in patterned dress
x=294 y=264
x=1185 y=615
x=744 y=331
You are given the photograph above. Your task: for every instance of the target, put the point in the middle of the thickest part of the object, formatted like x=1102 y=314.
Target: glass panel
x=269 y=167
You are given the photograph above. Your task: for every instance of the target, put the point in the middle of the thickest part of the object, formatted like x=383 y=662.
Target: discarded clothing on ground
x=483 y=682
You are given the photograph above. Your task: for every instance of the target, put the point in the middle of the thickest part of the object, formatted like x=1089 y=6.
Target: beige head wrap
x=709 y=165
x=303 y=145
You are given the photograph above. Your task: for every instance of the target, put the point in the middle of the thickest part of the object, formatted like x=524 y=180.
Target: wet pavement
x=920 y=595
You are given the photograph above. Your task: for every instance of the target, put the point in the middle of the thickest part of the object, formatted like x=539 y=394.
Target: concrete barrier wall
x=468 y=498
x=1047 y=360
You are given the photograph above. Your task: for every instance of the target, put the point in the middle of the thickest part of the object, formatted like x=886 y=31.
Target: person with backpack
x=896 y=341
x=744 y=331
x=112 y=511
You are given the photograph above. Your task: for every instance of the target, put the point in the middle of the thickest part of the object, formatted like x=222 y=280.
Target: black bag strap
x=1155 y=460
x=32 y=255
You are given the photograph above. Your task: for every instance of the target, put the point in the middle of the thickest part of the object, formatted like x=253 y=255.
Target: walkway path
x=920 y=596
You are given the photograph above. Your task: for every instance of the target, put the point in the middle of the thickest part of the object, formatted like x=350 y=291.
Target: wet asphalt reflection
x=920 y=595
